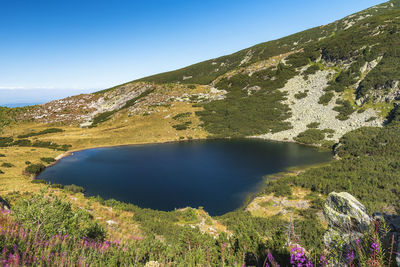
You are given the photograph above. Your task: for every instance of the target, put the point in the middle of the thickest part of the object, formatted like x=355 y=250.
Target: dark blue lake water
x=215 y=174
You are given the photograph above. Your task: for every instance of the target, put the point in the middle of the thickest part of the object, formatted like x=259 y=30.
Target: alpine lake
x=218 y=175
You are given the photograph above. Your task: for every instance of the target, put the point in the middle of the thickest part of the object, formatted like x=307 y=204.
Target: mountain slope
x=311 y=87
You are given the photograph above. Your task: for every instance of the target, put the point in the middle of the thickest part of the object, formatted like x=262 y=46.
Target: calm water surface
x=215 y=174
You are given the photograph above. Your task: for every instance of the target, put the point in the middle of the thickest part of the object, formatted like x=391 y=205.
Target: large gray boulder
x=347 y=218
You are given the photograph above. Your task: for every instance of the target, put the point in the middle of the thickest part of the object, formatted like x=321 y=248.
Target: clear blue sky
x=78 y=44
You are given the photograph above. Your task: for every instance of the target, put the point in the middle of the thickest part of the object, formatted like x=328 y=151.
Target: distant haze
x=26 y=97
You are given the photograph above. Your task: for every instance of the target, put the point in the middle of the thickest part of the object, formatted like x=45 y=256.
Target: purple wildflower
x=350 y=256
x=323 y=260
x=297 y=256
x=374 y=247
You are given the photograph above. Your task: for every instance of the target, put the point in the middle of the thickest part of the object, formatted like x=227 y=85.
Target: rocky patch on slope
x=307 y=110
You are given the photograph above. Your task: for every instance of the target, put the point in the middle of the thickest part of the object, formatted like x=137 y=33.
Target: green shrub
x=329 y=131
x=345 y=110
x=22 y=142
x=59 y=186
x=182 y=126
x=48 y=160
x=6 y=141
x=301 y=95
x=102 y=117
x=7 y=165
x=45 y=144
x=189 y=215
x=39 y=181
x=371 y=119
x=1 y=172
x=278 y=189
x=28 y=162
x=326 y=98
x=313 y=125
x=311 y=70
x=46 y=131
x=310 y=136
x=52 y=216
x=35 y=169
x=328 y=144
x=182 y=115
x=2 y=155
x=74 y=189
x=240 y=114
x=51 y=145
x=335 y=87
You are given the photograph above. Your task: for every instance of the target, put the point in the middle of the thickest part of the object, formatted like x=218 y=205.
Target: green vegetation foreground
x=369 y=166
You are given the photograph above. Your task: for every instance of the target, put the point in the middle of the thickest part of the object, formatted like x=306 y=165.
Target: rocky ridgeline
x=307 y=110
x=349 y=222
x=67 y=110
x=83 y=108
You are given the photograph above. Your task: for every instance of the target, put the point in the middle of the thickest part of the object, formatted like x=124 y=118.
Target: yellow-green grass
x=13 y=178
x=121 y=129
x=382 y=108
x=267 y=205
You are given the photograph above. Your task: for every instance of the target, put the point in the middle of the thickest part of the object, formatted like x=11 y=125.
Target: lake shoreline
x=247 y=197
x=70 y=152
x=294 y=170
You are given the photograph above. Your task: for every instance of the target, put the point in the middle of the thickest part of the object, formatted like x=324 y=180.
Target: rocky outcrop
x=153 y=264
x=347 y=218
